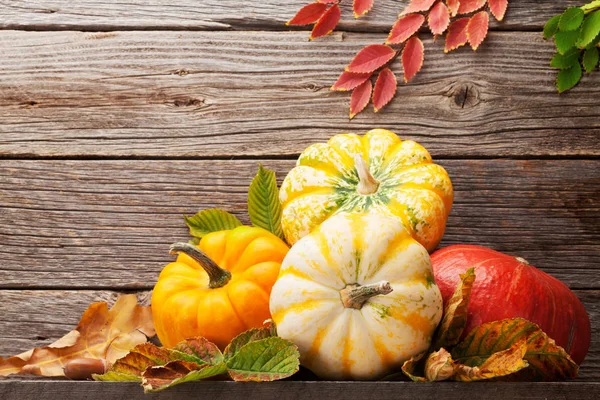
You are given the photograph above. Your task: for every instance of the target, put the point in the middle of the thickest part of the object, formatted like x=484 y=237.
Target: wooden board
x=303 y=390
x=34 y=318
x=108 y=224
x=229 y=14
x=251 y=94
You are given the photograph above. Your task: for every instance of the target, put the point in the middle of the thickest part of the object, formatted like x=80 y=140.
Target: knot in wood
x=466 y=96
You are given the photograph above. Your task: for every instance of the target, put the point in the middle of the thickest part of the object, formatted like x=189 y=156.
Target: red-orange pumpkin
x=508 y=287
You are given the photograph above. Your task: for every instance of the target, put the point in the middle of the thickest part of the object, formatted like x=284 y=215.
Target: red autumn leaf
x=385 y=89
x=457 y=34
x=439 y=18
x=327 y=23
x=453 y=6
x=498 y=8
x=308 y=14
x=360 y=98
x=412 y=57
x=477 y=28
x=418 y=6
x=349 y=80
x=370 y=58
x=327 y=1
x=468 y=6
x=404 y=28
x=361 y=7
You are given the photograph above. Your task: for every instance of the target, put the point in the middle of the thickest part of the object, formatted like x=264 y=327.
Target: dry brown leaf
x=101 y=334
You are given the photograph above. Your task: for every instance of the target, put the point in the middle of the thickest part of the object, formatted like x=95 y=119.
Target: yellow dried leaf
x=101 y=334
x=499 y=364
x=439 y=366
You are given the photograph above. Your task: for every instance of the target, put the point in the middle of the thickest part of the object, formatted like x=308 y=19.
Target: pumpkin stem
x=218 y=277
x=367 y=184
x=355 y=296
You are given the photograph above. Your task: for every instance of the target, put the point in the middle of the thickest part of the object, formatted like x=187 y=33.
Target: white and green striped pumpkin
x=357 y=296
x=376 y=172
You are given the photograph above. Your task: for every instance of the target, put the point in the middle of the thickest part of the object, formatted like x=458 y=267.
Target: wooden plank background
x=118 y=117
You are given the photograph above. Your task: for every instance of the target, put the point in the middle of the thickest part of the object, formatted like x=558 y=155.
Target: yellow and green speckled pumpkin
x=376 y=172
x=357 y=296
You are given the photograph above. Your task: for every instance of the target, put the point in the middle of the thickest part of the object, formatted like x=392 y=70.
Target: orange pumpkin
x=219 y=288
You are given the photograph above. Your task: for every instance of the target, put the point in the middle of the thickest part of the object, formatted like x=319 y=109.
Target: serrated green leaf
x=267 y=359
x=264 y=207
x=244 y=338
x=211 y=220
x=565 y=41
x=176 y=372
x=455 y=312
x=571 y=19
x=568 y=78
x=567 y=60
x=589 y=30
x=551 y=27
x=198 y=350
x=591 y=59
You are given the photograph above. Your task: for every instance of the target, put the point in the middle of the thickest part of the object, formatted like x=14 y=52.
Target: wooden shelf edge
x=65 y=390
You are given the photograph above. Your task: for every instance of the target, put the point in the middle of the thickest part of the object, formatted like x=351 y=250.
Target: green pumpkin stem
x=367 y=184
x=355 y=296
x=218 y=277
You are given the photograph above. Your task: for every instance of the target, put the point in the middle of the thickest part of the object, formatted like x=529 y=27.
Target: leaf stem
x=355 y=296
x=218 y=277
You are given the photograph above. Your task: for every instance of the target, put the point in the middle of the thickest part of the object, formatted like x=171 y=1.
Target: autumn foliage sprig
x=374 y=61
x=576 y=34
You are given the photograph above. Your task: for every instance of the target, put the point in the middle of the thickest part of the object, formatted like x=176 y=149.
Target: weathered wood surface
x=229 y=14
x=303 y=390
x=34 y=318
x=242 y=94
x=105 y=224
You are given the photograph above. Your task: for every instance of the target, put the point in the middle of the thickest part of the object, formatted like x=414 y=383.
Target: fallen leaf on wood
x=101 y=334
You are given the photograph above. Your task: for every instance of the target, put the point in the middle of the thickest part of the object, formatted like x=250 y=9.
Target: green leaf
x=455 y=313
x=264 y=207
x=211 y=220
x=546 y=360
x=267 y=359
x=567 y=60
x=551 y=27
x=589 y=30
x=571 y=19
x=198 y=350
x=567 y=78
x=176 y=372
x=244 y=338
x=565 y=41
x=590 y=59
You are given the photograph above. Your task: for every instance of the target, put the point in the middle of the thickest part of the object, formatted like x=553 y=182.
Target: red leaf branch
x=374 y=62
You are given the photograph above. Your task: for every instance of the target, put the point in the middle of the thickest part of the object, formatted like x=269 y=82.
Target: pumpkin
x=357 y=296
x=377 y=172
x=219 y=288
x=508 y=287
